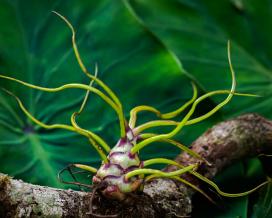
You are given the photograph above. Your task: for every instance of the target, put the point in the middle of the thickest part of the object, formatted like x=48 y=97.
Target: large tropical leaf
x=147 y=52
x=37 y=48
x=196 y=32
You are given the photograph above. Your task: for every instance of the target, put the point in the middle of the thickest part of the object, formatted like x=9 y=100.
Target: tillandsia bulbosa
x=122 y=172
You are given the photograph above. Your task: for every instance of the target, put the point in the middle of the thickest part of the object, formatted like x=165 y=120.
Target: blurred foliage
x=147 y=52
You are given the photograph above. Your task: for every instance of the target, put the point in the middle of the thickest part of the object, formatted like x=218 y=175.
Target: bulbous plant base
x=250 y=134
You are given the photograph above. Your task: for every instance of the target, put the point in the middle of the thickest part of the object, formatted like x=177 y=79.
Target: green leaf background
x=147 y=52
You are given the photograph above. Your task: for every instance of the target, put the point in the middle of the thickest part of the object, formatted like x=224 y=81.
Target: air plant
x=122 y=172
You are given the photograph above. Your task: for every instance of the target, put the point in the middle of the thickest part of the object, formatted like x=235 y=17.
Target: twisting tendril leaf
x=122 y=173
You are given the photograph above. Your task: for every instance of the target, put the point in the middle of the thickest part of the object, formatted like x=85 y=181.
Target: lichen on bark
x=222 y=145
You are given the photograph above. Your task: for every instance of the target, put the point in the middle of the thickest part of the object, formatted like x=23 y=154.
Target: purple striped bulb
x=121 y=161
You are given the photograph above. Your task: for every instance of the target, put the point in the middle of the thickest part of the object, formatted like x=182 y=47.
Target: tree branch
x=227 y=142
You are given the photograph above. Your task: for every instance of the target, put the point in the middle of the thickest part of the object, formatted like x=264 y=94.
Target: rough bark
x=222 y=145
